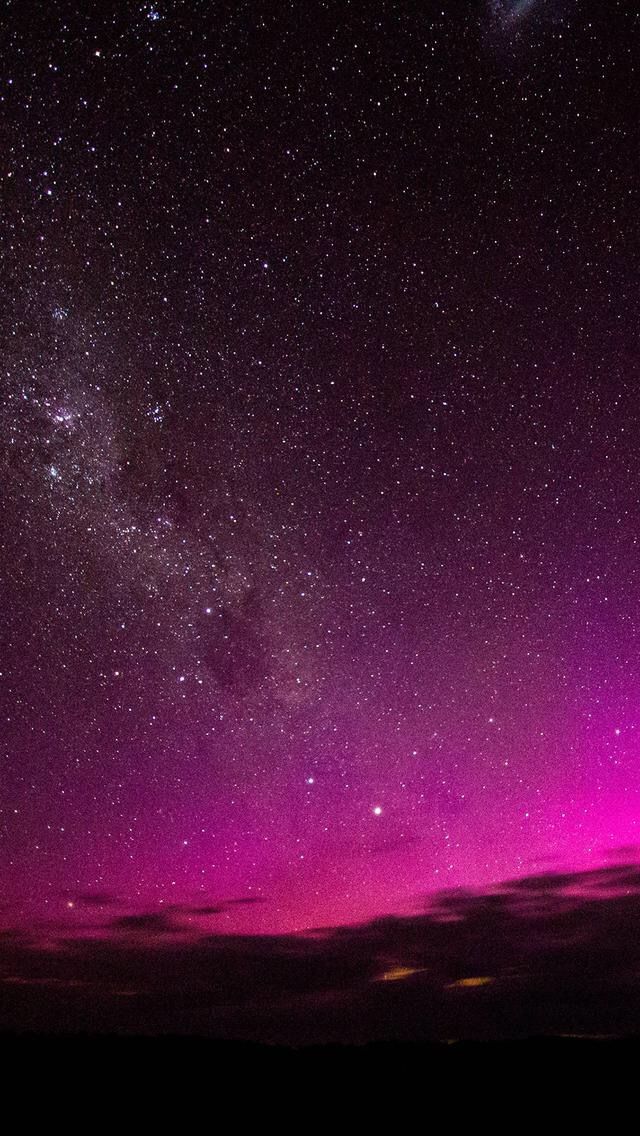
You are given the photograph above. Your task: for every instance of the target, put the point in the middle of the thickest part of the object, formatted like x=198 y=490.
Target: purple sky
x=319 y=420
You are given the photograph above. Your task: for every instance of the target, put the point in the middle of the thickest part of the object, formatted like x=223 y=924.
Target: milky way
x=321 y=478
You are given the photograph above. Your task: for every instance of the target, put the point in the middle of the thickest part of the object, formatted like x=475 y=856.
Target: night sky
x=320 y=428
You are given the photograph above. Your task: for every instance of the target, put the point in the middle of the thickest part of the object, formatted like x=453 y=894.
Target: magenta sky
x=320 y=427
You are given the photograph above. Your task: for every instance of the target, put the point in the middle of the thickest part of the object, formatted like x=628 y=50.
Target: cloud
x=245 y=901
x=99 y=899
x=627 y=852
x=174 y=918
x=202 y=910
x=147 y=923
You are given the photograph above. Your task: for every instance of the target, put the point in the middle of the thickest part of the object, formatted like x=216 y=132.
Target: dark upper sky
x=320 y=426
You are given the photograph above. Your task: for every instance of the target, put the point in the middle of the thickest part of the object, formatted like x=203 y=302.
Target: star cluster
x=319 y=423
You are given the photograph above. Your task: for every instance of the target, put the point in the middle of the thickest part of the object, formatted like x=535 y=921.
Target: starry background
x=319 y=419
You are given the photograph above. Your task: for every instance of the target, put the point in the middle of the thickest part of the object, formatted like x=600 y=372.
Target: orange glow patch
x=397 y=973
x=470 y=982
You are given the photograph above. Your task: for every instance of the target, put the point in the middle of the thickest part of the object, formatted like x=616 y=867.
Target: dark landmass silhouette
x=546 y=956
